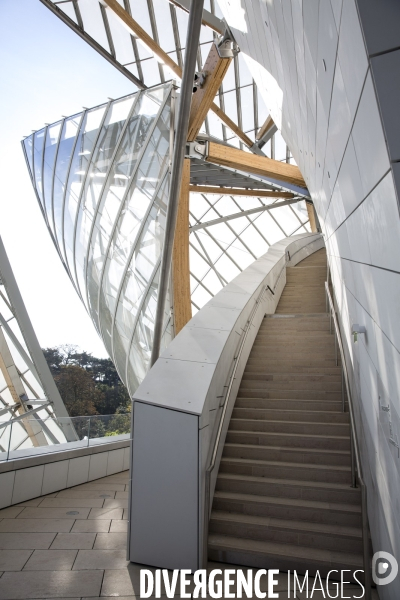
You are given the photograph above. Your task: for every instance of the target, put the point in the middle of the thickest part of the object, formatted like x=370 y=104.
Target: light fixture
x=355 y=330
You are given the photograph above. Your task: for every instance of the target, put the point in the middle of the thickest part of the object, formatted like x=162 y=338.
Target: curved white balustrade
x=177 y=410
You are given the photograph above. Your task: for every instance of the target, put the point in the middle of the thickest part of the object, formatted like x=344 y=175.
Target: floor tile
x=73 y=503
x=121 y=495
x=51 y=560
x=33 y=502
x=30 y=525
x=118 y=526
x=79 y=493
x=100 y=559
x=11 y=512
x=72 y=541
x=90 y=525
x=54 y=513
x=105 y=513
x=110 y=541
x=26 y=541
x=115 y=487
x=119 y=583
x=116 y=503
x=50 y=584
x=13 y=560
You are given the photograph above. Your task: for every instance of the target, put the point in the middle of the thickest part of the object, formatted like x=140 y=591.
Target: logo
x=384 y=568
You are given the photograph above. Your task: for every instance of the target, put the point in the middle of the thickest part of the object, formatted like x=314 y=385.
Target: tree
x=87 y=383
x=78 y=391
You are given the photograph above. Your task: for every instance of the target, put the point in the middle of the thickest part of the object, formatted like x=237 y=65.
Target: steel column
x=192 y=42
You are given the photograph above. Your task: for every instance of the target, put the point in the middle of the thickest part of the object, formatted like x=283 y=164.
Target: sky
x=46 y=71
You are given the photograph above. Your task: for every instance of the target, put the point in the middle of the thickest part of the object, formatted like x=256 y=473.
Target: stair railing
x=210 y=469
x=356 y=470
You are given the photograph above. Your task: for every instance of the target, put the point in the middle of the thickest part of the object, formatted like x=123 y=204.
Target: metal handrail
x=211 y=466
x=356 y=470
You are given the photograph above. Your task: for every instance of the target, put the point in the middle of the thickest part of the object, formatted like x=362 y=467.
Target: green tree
x=86 y=382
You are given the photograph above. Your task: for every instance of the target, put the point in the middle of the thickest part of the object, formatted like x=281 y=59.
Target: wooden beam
x=182 y=307
x=232 y=126
x=311 y=216
x=213 y=189
x=135 y=29
x=215 y=69
x=260 y=165
x=264 y=128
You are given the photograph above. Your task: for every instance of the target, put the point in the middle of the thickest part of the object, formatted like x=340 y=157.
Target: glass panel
x=141 y=269
x=65 y=148
x=53 y=134
x=95 y=181
x=37 y=161
x=28 y=145
x=79 y=165
x=93 y=21
x=117 y=184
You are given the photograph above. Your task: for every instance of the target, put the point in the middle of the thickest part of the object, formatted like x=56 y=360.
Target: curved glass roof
x=85 y=170
x=166 y=23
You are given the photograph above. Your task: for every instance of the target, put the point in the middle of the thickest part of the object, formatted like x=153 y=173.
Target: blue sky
x=47 y=71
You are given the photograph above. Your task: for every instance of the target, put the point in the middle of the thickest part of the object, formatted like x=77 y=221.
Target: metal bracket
x=226 y=45
x=255 y=148
x=197 y=150
x=199 y=80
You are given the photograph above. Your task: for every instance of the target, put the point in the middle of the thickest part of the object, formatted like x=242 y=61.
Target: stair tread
x=278 y=463
x=290 y=482
x=235 y=419
x=276 y=549
x=291 y=524
x=316 y=451
x=297 y=435
x=283 y=501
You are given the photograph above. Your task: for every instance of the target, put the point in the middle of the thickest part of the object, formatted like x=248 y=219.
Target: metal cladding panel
x=164 y=493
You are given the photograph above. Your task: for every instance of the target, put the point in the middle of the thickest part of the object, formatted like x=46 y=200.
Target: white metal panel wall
x=329 y=72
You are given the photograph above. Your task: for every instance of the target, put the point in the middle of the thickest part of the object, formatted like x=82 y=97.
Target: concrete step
x=286 y=470
x=272 y=555
x=288 y=508
x=289 y=415
x=292 y=455
x=292 y=394
x=289 y=439
x=314 y=491
x=303 y=427
x=275 y=384
x=287 y=404
x=295 y=533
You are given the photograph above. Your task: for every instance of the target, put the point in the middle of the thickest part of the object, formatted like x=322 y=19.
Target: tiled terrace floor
x=71 y=545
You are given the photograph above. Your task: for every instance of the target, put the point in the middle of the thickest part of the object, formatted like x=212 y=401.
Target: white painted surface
x=187 y=387
x=343 y=128
x=28 y=481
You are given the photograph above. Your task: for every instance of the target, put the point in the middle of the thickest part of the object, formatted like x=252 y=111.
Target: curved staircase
x=283 y=497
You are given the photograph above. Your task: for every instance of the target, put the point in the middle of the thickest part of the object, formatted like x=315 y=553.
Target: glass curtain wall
x=102 y=180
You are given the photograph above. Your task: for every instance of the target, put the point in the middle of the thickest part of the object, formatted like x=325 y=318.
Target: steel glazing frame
x=166 y=23
x=107 y=162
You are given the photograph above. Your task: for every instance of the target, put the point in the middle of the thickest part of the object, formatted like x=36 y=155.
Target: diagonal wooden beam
x=260 y=165
x=213 y=189
x=268 y=124
x=214 y=69
x=311 y=216
x=182 y=307
x=135 y=29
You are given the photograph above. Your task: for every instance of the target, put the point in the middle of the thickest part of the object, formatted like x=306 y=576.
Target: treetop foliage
x=88 y=385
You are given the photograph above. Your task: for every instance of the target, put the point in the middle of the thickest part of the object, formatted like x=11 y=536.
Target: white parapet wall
x=177 y=410
x=45 y=473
